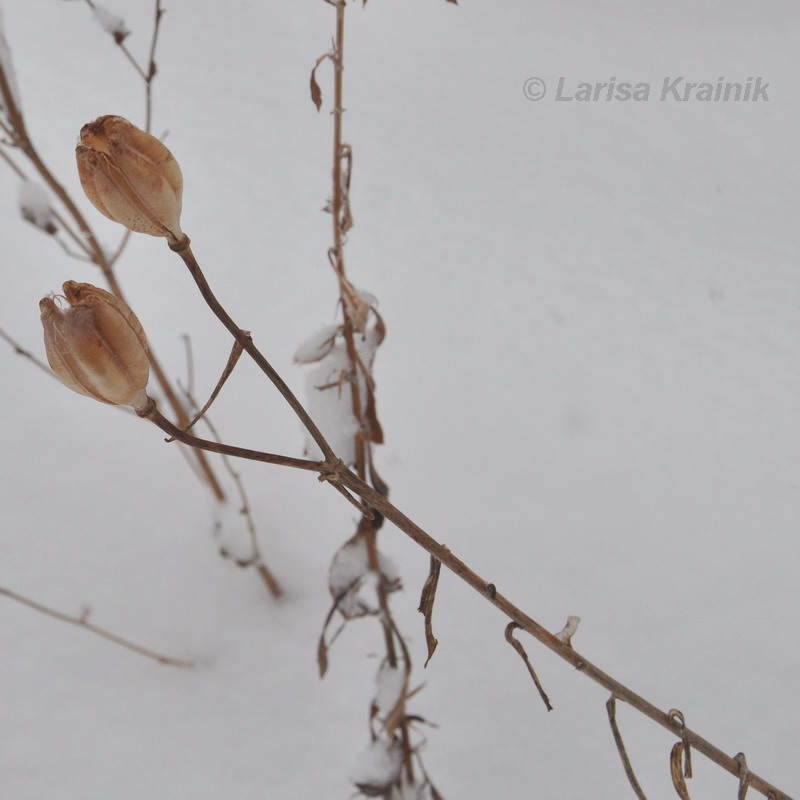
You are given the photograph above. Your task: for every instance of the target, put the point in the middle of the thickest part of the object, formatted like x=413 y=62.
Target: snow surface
x=589 y=390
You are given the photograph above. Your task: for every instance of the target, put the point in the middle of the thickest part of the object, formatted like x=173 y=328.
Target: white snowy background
x=590 y=391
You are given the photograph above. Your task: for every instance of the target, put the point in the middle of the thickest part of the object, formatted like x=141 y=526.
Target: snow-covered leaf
x=316 y=347
x=111 y=23
x=34 y=205
x=350 y=573
x=377 y=768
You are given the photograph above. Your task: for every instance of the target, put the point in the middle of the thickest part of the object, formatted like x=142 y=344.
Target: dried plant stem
x=21 y=351
x=488 y=591
x=367 y=528
x=257 y=561
x=82 y=622
x=334 y=471
x=154 y=415
x=184 y=250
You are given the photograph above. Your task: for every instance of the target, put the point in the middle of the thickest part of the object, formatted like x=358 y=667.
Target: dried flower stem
x=83 y=622
x=184 y=250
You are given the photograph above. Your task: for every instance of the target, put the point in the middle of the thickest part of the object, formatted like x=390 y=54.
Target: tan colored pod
x=97 y=346
x=131 y=177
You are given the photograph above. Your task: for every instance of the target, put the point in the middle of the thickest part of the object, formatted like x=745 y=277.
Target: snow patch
x=111 y=23
x=377 y=768
x=34 y=205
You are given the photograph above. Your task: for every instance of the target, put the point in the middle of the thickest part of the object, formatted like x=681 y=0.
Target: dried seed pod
x=97 y=346
x=131 y=177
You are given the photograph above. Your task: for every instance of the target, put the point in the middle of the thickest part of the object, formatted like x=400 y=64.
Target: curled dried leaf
x=510 y=628
x=426 y=605
x=676 y=771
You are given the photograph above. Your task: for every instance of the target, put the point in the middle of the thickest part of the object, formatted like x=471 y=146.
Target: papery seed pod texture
x=131 y=177
x=96 y=346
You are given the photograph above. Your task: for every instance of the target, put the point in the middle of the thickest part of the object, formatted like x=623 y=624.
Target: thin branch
x=21 y=351
x=184 y=250
x=566 y=652
x=82 y=622
x=152 y=413
x=257 y=559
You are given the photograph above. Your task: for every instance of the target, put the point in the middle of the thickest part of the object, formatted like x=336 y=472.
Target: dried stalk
x=83 y=622
x=333 y=470
x=351 y=304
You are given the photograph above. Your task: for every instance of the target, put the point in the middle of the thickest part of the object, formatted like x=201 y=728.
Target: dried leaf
x=426 y=605
x=510 y=628
x=316 y=347
x=322 y=655
x=316 y=92
x=676 y=771
x=611 y=708
x=350 y=571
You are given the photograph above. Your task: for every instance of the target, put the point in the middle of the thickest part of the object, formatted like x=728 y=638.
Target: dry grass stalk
x=83 y=622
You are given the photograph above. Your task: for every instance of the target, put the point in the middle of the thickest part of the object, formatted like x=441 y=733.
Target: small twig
x=184 y=250
x=21 y=351
x=510 y=628
x=233 y=358
x=154 y=415
x=257 y=560
x=82 y=622
x=611 y=708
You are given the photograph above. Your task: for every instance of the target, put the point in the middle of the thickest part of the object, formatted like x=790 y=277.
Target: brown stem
x=488 y=591
x=152 y=413
x=184 y=250
x=83 y=622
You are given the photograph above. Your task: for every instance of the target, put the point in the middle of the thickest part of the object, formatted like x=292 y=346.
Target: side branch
x=184 y=250
x=155 y=416
x=83 y=622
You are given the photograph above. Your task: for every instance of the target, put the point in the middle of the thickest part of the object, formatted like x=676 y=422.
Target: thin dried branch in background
x=256 y=560
x=83 y=622
x=21 y=351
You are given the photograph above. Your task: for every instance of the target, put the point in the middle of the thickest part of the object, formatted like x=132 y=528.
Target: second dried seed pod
x=97 y=346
